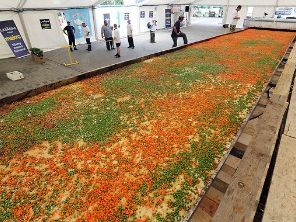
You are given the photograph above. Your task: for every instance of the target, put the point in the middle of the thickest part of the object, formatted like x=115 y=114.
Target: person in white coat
x=117 y=40
x=235 y=18
x=86 y=34
x=129 y=29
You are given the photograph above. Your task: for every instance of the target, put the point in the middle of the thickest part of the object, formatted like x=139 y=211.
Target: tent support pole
x=190 y=14
x=25 y=30
x=95 y=23
x=97 y=3
x=20 y=13
x=276 y=6
x=20 y=4
x=226 y=13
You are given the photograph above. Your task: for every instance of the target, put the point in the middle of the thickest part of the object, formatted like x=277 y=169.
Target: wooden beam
x=281 y=202
x=290 y=129
x=201 y=216
x=243 y=193
x=284 y=83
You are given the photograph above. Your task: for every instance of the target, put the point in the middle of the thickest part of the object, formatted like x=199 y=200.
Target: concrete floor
x=53 y=70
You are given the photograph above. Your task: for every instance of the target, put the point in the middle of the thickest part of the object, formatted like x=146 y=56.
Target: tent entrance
x=207 y=15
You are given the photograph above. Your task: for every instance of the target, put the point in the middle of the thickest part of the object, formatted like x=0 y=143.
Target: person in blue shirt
x=176 y=33
x=69 y=30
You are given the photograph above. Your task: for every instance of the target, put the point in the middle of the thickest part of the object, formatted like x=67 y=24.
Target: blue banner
x=168 y=18
x=142 y=14
x=77 y=17
x=13 y=38
x=107 y=18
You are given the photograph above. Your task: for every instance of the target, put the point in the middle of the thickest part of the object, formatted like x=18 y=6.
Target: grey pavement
x=38 y=75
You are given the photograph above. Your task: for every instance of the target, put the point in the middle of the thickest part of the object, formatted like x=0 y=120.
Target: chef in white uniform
x=235 y=18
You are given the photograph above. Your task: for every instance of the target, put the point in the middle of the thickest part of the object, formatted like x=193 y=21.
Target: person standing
x=176 y=33
x=130 y=39
x=86 y=33
x=117 y=40
x=152 y=31
x=106 y=32
x=235 y=18
x=69 y=30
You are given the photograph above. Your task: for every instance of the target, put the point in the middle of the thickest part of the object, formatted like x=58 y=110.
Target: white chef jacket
x=129 y=29
x=86 y=32
x=233 y=17
x=117 y=36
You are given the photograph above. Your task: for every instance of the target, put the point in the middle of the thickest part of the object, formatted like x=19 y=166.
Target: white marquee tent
x=27 y=14
x=35 y=4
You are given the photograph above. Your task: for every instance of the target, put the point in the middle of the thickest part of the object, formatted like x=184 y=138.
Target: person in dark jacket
x=176 y=33
x=106 y=32
x=69 y=30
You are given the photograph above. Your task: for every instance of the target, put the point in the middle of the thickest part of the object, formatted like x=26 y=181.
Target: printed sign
x=13 y=38
x=126 y=16
x=168 y=18
x=45 y=24
x=142 y=14
x=150 y=14
x=77 y=17
x=107 y=17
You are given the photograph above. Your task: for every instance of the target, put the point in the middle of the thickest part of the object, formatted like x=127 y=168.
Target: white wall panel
x=41 y=38
x=259 y=12
x=287 y=3
x=144 y=21
x=160 y=16
x=117 y=16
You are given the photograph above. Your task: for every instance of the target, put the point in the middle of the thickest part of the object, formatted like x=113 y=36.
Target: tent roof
x=48 y=4
x=17 y=4
x=165 y=2
x=267 y=3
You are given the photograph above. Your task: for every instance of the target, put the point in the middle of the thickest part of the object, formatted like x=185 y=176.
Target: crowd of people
x=112 y=37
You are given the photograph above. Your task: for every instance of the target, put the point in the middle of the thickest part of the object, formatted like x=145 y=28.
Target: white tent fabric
x=167 y=2
x=11 y=4
x=225 y=2
x=47 y=4
x=37 y=4
x=58 y=3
